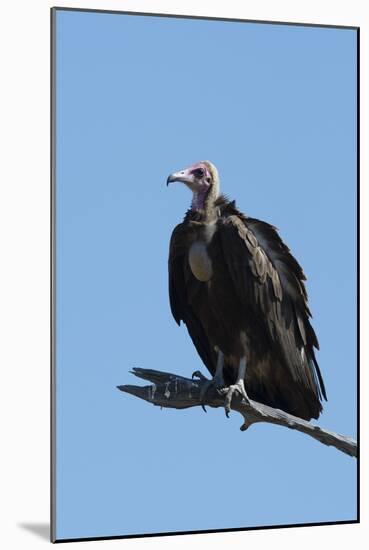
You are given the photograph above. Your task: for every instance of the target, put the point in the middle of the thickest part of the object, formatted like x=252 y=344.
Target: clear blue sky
x=274 y=108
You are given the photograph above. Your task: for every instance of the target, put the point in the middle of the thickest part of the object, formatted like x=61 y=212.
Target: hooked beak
x=179 y=176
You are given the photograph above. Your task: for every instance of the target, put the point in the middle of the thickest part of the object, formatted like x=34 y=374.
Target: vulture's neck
x=205 y=201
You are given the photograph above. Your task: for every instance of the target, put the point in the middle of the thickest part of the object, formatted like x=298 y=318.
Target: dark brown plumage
x=238 y=289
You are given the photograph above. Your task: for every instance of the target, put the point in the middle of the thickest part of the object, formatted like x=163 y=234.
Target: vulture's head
x=201 y=178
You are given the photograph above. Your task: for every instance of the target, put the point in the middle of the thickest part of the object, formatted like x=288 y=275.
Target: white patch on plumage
x=198 y=256
x=200 y=262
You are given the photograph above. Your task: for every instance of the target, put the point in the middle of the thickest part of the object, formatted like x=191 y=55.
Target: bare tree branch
x=174 y=391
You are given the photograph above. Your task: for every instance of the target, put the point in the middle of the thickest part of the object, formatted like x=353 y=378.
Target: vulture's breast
x=198 y=255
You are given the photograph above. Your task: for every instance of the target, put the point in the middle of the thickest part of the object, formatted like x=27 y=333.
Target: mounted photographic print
x=204 y=261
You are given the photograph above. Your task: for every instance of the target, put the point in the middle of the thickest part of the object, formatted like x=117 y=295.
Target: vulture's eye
x=199 y=172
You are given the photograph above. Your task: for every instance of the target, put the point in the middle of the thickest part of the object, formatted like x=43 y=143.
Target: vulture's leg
x=239 y=387
x=217 y=380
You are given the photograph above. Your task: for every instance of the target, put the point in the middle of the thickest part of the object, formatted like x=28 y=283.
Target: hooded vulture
x=241 y=294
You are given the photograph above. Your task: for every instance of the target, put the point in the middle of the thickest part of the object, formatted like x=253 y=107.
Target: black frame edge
x=358 y=266
x=204 y=17
x=211 y=531
x=52 y=279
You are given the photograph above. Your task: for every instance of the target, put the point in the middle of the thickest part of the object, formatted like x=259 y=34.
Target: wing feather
x=268 y=279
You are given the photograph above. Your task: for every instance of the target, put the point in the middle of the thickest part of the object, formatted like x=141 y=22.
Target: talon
x=198 y=374
x=238 y=387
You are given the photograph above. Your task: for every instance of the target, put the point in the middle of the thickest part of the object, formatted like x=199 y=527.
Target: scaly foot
x=239 y=387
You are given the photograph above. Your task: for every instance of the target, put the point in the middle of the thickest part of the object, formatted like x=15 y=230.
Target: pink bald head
x=200 y=177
